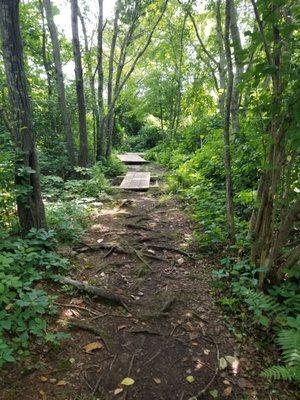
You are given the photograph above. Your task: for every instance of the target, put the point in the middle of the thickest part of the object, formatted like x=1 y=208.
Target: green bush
x=146 y=138
x=68 y=219
x=23 y=264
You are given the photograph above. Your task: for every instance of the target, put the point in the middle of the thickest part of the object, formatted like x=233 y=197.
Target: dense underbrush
x=28 y=263
x=197 y=176
x=25 y=263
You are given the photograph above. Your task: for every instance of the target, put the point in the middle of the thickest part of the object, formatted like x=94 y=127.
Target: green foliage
x=69 y=220
x=146 y=138
x=289 y=342
x=278 y=310
x=24 y=264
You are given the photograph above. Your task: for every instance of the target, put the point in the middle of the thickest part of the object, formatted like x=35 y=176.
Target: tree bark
x=48 y=71
x=222 y=59
x=83 y=139
x=65 y=115
x=29 y=200
x=101 y=137
x=91 y=78
x=111 y=109
x=226 y=132
x=239 y=69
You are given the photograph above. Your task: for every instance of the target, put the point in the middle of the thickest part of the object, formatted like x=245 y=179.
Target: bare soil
x=170 y=338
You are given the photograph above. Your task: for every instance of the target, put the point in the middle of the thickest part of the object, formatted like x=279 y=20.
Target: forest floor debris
x=168 y=341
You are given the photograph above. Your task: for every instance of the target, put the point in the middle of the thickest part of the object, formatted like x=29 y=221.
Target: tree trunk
x=29 y=200
x=83 y=139
x=239 y=69
x=226 y=132
x=222 y=59
x=65 y=115
x=91 y=78
x=111 y=109
x=101 y=137
x=48 y=71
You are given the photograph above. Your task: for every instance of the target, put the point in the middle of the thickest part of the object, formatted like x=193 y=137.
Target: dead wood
x=171 y=248
x=100 y=246
x=136 y=226
x=103 y=294
x=75 y=323
x=139 y=256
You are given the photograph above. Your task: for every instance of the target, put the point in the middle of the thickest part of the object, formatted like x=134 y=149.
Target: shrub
x=24 y=306
x=68 y=220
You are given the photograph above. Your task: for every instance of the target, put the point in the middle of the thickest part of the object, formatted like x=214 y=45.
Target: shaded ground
x=171 y=332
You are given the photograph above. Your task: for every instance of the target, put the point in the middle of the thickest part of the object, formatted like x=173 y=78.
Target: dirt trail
x=171 y=333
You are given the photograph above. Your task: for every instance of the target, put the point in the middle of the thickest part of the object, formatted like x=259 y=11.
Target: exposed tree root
x=170 y=248
x=95 y=291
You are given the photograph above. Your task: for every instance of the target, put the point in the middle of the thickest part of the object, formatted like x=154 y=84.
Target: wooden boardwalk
x=136 y=181
x=131 y=158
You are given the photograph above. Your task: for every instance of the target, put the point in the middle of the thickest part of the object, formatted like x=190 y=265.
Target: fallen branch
x=134 y=226
x=101 y=246
x=94 y=290
x=142 y=259
x=170 y=248
x=78 y=307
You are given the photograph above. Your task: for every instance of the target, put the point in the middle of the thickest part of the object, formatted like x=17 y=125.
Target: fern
x=279 y=372
x=262 y=305
x=289 y=341
x=262 y=301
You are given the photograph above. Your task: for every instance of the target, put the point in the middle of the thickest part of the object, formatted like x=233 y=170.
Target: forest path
x=171 y=337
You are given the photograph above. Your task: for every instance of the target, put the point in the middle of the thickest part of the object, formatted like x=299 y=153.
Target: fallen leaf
x=226 y=382
x=127 y=381
x=88 y=348
x=43 y=378
x=231 y=360
x=190 y=378
x=157 y=380
x=227 y=392
x=43 y=394
x=214 y=393
x=61 y=383
x=222 y=363
x=118 y=391
x=121 y=327
x=76 y=301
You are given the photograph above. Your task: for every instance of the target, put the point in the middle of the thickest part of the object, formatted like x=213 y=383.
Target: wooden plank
x=131 y=158
x=136 y=181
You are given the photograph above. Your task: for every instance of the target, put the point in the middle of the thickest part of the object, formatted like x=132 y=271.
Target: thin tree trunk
x=83 y=139
x=222 y=59
x=91 y=78
x=227 y=155
x=101 y=137
x=117 y=91
x=65 y=115
x=110 y=105
x=239 y=69
x=29 y=201
x=47 y=67
x=265 y=242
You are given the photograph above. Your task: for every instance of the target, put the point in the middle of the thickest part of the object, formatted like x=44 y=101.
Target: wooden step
x=136 y=181
x=131 y=158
